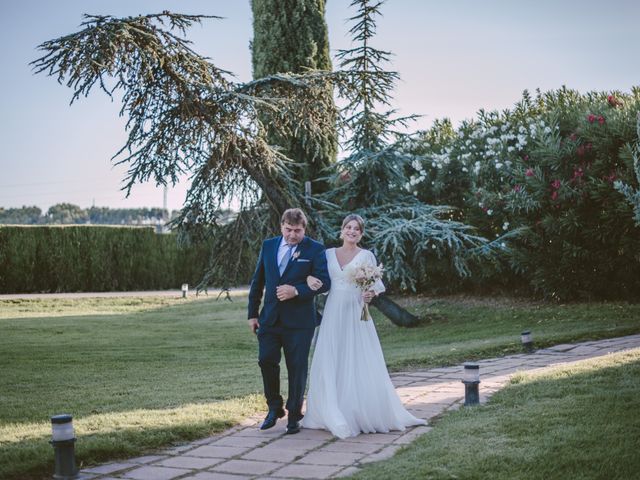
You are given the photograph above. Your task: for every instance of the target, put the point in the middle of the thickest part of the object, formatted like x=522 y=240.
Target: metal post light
x=527 y=341
x=471 y=380
x=63 y=440
x=185 y=290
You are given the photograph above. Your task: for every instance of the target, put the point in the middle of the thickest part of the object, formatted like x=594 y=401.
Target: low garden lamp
x=471 y=380
x=185 y=290
x=527 y=341
x=63 y=440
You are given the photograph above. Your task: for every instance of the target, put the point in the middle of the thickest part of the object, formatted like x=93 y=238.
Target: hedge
x=94 y=258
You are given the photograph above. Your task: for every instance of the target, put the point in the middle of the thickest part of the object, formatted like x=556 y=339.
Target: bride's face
x=351 y=233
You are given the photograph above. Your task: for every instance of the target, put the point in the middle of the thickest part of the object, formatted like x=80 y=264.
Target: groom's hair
x=294 y=216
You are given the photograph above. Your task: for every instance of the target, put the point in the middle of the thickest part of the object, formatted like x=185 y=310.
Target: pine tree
x=290 y=36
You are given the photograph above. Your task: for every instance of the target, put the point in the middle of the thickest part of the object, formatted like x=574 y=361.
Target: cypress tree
x=290 y=36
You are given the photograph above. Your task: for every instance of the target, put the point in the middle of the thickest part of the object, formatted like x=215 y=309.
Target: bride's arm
x=314 y=283
x=378 y=287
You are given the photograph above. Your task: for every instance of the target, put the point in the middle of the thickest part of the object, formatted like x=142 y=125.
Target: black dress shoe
x=293 y=426
x=271 y=418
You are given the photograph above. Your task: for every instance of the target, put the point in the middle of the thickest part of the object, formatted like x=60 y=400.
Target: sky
x=454 y=58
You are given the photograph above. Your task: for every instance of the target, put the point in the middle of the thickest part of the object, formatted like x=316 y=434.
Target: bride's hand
x=314 y=283
x=368 y=296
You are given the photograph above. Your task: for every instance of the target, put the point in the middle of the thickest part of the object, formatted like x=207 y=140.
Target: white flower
x=498 y=166
x=505 y=225
x=503 y=245
x=489 y=212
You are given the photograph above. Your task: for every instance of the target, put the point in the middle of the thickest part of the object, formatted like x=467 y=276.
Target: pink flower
x=529 y=172
x=601 y=120
x=526 y=158
x=554 y=195
x=517 y=188
x=591 y=118
x=613 y=101
x=573 y=137
x=578 y=173
x=556 y=184
x=588 y=146
x=580 y=150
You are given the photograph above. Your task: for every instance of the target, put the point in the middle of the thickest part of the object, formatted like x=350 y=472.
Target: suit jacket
x=298 y=312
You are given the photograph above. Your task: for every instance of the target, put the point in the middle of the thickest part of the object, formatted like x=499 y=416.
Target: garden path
x=246 y=453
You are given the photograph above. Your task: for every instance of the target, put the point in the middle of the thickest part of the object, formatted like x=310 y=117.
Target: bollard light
x=63 y=440
x=527 y=341
x=185 y=290
x=471 y=380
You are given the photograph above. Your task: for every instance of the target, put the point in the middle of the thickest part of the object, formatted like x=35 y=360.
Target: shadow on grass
x=576 y=421
x=120 y=435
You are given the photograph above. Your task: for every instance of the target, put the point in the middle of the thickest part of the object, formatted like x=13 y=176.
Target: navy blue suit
x=288 y=325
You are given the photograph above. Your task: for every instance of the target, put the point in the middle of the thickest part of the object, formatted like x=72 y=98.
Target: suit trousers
x=295 y=342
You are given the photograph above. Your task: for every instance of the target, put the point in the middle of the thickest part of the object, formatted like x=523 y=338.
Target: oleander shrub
x=547 y=169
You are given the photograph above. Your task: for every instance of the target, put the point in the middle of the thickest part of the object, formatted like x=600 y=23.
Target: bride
x=349 y=387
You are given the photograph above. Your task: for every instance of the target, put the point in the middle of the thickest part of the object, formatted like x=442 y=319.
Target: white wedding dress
x=349 y=387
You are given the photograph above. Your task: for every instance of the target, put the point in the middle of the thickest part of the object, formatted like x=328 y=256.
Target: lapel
x=297 y=252
x=274 y=256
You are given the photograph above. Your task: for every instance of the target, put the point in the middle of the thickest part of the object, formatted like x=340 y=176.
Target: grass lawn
x=139 y=373
x=579 y=421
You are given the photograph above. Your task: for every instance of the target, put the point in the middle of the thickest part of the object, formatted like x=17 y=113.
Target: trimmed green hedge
x=94 y=258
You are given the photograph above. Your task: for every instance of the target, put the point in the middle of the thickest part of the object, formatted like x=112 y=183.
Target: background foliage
x=546 y=169
x=90 y=258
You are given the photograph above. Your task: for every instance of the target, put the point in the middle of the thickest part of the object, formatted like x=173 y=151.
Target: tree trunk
x=394 y=312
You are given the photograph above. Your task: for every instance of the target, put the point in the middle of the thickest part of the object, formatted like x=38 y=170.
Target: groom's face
x=293 y=234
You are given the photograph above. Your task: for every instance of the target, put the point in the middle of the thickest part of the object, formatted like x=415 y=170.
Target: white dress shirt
x=283 y=249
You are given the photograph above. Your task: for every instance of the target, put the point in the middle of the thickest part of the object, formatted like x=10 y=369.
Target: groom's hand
x=286 y=292
x=253 y=324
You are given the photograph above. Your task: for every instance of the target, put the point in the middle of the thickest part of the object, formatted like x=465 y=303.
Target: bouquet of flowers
x=364 y=277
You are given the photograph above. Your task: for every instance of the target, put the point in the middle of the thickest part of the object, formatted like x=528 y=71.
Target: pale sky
x=454 y=57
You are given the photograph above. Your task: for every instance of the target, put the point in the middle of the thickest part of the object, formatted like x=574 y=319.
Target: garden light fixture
x=63 y=440
x=527 y=341
x=471 y=380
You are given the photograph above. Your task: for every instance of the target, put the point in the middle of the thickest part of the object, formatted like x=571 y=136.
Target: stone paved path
x=244 y=452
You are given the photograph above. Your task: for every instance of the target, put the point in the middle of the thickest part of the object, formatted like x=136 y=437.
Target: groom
x=288 y=317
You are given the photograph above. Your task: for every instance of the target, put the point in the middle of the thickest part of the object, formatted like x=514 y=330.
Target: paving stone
x=109 y=468
x=147 y=459
x=240 y=441
x=412 y=435
x=313 y=434
x=215 y=476
x=297 y=443
x=331 y=458
x=383 y=454
x=296 y=470
x=273 y=454
x=381 y=438
x=155 y=473
x=194 y=463
x=249 y=467
x=217 y=452
x=350 y=447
